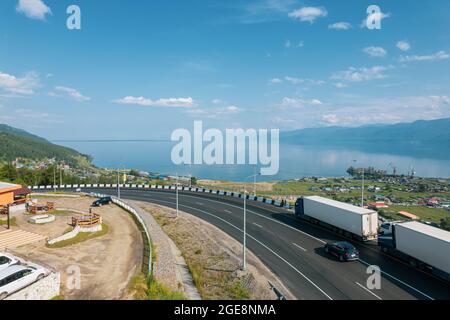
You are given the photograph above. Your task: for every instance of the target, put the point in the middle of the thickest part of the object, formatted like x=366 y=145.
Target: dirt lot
x=107 y=263
x=214 y=258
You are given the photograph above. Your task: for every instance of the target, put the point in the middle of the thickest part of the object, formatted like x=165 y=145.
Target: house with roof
x=13 y=195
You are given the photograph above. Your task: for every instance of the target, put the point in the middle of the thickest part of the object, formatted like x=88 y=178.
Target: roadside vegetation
x=214 y=272
x=12 y=221
x=80 y=237
x=143 y=288
x=404 y=195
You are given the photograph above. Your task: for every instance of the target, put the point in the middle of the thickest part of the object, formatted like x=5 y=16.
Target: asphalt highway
x=293 y=249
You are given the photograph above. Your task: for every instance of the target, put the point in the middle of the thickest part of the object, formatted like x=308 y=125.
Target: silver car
x=7 y=260
x=16 y=277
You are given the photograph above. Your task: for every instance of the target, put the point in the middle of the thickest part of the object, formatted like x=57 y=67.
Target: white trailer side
x=356 y=220
x=425 y=243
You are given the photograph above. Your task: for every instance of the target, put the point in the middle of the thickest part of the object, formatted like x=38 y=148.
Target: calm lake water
x=295 y=161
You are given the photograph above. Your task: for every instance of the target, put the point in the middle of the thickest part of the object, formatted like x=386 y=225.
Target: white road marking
x=307 y=234
x=227 y=211
x=258 y=225
x=199 y=203
x=300 y=247
x=323 y=242
x=273 y=220
x=259 y=242
x=400 y=281
x=369 y=291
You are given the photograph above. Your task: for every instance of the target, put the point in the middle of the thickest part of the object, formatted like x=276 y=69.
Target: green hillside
x=18 y=143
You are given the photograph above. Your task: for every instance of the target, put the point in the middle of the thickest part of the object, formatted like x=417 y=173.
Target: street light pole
x=118 y=182
x=54 y=178
x=244 y=248
x=362 y=189
x=176 y=189
x=244 y=263
x=254 y=182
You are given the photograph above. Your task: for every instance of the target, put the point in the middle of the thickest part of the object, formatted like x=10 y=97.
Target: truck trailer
x=421 y=246
x=343 y=218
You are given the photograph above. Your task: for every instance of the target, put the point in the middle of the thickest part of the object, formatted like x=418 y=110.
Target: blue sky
x=140 y=69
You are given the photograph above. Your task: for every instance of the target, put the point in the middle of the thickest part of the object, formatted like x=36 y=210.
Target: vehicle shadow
x=321 y=252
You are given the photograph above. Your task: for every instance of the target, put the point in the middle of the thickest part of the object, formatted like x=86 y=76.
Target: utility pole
x=362 y=190
x=8 y=216
x=244 y=263
x=54 y=177
x=254 y=181
x=244 y=244
x=176 y=190
x=118 y=182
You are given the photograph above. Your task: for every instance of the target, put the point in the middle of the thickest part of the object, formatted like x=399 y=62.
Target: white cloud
x=275 y=81
x=299 y=103
x=441 y=55
x=375 y=51
x=340 y=85
x=330 y=118
x=392 y=110
x=24 y=85
x=164 y=102
x=340 y=26
x=360 y=74
x=33 y=9
x=288 y=44
x=308 y=14
x=301 y=44
x=71 y=92
x=293 y=80
x=403 y=45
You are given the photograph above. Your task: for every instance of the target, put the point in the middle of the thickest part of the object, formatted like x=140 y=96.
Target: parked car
x=7 y=260
x=344 y=251
x=17 y=277
x=102 y=201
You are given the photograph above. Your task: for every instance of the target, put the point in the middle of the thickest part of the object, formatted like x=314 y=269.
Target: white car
x=7 y=260
x=17 y=277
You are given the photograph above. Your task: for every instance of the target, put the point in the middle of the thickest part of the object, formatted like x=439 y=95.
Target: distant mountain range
x=16 y=143
x=420 y=138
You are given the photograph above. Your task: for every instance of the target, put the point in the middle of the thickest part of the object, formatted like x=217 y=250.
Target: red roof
x=22 y=192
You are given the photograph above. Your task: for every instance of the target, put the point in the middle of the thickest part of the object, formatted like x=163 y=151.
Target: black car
x=102 y=201
x=344 y=251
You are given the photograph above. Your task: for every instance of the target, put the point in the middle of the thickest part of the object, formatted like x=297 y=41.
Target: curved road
x=292 y=249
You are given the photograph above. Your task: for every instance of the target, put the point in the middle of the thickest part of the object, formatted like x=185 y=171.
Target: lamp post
x=362 y=187
x=176 y=191
x=118 y=182
x=8 y=216
x=244 y=244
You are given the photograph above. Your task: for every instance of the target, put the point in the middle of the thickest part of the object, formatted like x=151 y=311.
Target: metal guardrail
x=231 y=194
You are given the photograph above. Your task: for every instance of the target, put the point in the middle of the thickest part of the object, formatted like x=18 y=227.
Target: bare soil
x=106 y=263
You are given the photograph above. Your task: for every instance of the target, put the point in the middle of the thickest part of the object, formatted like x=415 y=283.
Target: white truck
x=343 y=218
x=421 y=245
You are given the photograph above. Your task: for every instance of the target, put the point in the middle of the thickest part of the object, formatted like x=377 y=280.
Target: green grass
x=12 y=221
x=150 y=289
x=57 y=298
x=80 y=237
x=239 y=292
x=425 y=213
